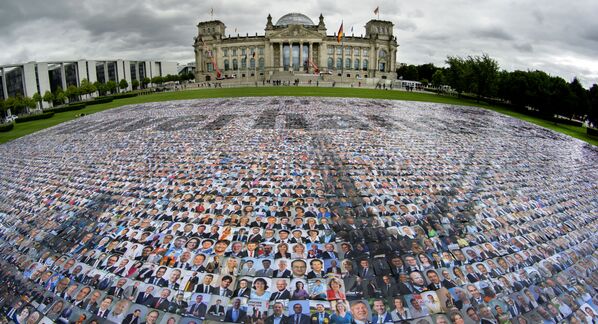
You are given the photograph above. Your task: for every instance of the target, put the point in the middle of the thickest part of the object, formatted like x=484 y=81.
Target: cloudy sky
x=558 y=37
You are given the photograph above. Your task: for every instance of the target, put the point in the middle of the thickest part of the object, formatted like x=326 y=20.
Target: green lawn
x=33 y=126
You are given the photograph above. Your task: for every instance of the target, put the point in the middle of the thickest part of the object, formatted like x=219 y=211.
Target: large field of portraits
x=299 y=211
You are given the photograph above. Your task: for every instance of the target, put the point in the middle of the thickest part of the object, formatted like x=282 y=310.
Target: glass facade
x=55 y=76
x=112 y=72
x=142 y=73
x=14 y=82
x=133 y=68
x=70 y=72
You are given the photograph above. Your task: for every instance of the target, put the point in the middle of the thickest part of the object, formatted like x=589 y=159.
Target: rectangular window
x=356 y=51
x=365 y=52
x=261 y=50
x=225 y=50
x=243 y=51
x=330 y=50
x=234 y=52
x=339 y=50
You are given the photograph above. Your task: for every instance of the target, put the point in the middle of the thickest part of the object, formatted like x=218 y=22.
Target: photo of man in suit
x=320 y=316
x=132 y=318
x=161 y=302
x=235 y=314
x=199 y=308
x=277 y=316
x=146 y=297
x=205 y=286
x=381 y=315
x=157 y=279
x=281 y=290
x=216 y=309
x=297 y=316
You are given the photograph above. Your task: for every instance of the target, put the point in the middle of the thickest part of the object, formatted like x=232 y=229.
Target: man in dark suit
x=282 y=292
x=162 y=302
x=117 y=290
x=320 y=316
x=205 y=286
x=132 y=318
x=388 y=288
x=381 y=315
x=235 y=314
x=179 y=305
x=104 y=307
x=145 y=297
x=282 y=271
x=243 y=290
x=158 y=279
x=277 y=315
x=199 y=308
x=298 y=317
x=217 y=309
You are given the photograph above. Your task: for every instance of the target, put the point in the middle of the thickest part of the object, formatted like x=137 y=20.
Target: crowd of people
x=406 y=221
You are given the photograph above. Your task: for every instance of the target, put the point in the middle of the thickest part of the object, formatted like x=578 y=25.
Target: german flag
x=339 y=37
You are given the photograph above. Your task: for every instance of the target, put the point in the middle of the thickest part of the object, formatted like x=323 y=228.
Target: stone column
x=4 y=88
x=291 y=56
x=63 y=76
x=300 y=55
x=334 y=58
x=310 y=57
x=271 y=56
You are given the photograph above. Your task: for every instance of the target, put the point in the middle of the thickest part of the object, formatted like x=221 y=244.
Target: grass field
x=33 y=126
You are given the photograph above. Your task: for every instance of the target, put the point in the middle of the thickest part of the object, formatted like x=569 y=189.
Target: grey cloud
x=524 y=47
x=407 y=25
x=493 y=32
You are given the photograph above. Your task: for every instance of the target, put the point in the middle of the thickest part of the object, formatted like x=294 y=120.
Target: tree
x=593 y=113
x=438 y=78
x=581 y=100
x=482 y=78
x=157 y=80
x=123 y=84
x=426 y=71
x=48 y=97
x=135 y=84
x=456 y=74
x=87 y=87
x=408 y=72
x=38 y=99
x=425 y=82
x=59 y=96
x=145 y=82
x=2 y=108
x=72 y=93
x=111 y=86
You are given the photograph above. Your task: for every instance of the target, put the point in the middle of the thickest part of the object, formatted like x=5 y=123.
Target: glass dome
x=294 y=18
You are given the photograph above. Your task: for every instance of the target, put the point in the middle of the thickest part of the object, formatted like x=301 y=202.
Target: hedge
x=124 y=95
x=45 y=115
x=566 y=122
x=99 y=100
x=592 y=131
x=77 y=106
x=6 y=127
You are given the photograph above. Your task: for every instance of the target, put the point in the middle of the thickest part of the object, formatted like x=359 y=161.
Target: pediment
x=295 y=32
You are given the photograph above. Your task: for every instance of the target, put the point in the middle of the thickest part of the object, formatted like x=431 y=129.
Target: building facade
x=295 y=45
x=28 y=78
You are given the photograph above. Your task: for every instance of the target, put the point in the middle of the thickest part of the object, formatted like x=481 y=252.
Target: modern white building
x=28 y=78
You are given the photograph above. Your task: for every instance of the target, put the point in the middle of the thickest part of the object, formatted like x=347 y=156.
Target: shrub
x=6 y=127
x=592 y=131
x=124 y=95
x=44 y=115
x=99 y=100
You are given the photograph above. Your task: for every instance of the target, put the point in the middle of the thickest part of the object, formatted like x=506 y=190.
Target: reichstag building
x=293 y=46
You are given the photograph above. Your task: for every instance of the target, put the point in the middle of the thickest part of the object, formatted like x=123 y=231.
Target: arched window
x=252 y=63
x=339 y=63
x=243 y=63
x=356 y=64
x=348 y=63
x=262 y=63
x=226 y=66
x=235 y=64
x=365 y=64
x=330 y=63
